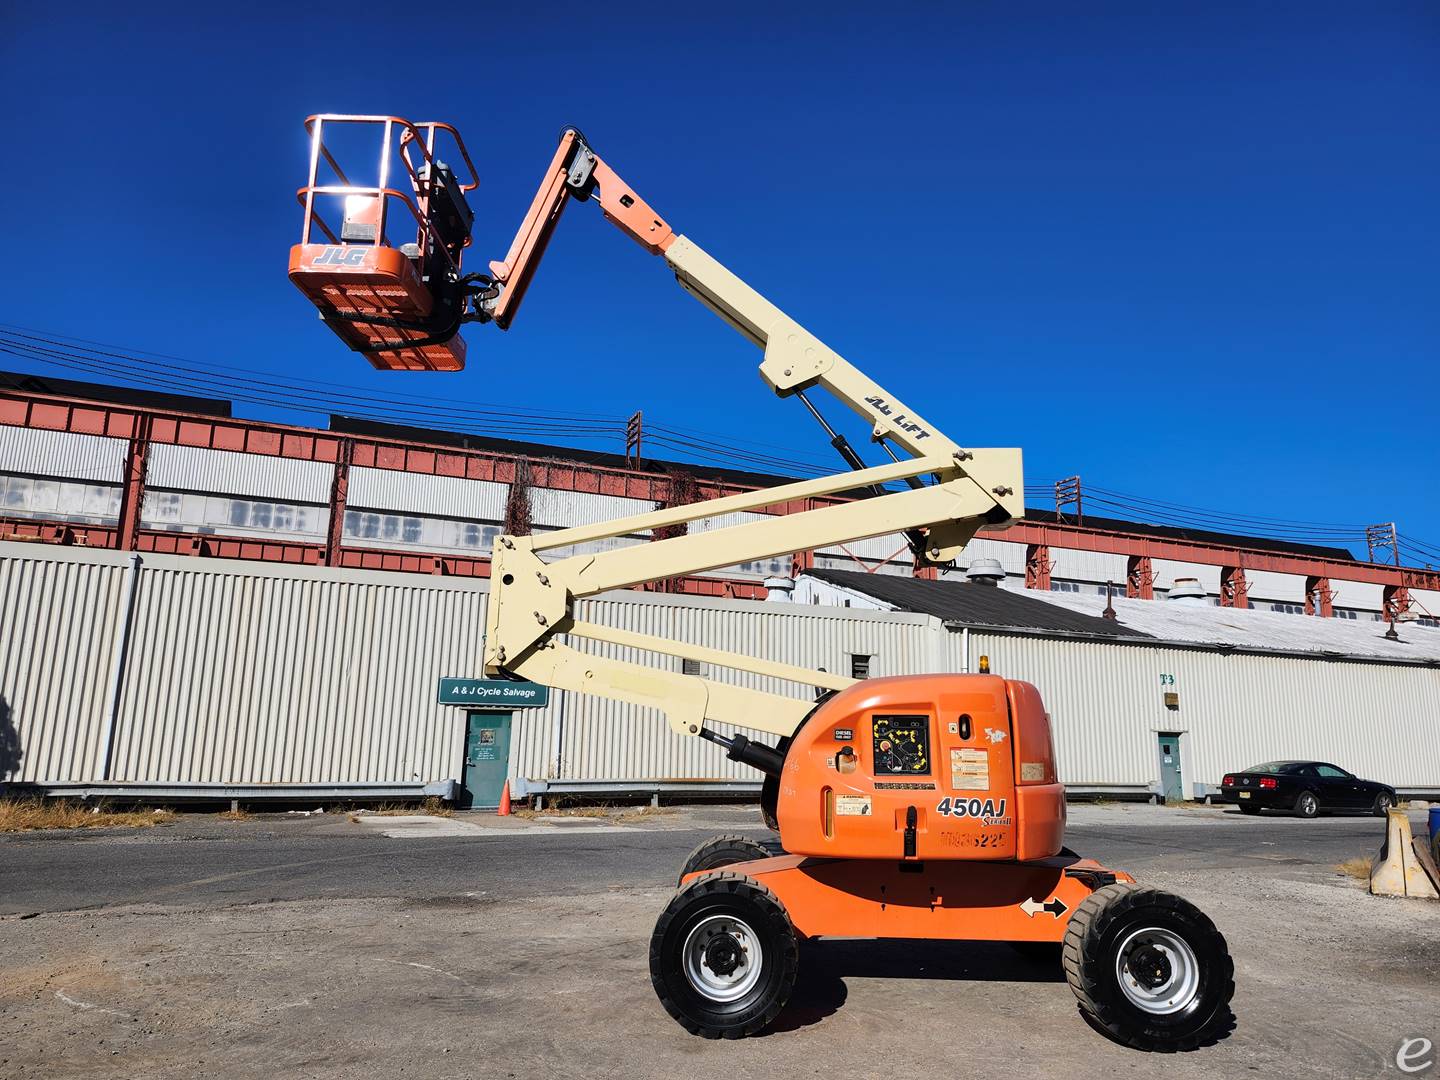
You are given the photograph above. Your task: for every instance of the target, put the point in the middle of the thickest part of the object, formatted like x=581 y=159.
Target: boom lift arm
x=532 y=601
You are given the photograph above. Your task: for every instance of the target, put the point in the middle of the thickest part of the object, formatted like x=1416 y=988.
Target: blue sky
x=1189 y=255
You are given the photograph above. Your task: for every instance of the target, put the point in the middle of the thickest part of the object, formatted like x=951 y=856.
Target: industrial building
x=197 y=604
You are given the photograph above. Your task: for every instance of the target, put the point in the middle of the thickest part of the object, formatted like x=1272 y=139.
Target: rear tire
x=1149 y=968
x=1306 y=805
x=1245 y=808
x=723 y=956
x=726 y=850
x=1383 y=802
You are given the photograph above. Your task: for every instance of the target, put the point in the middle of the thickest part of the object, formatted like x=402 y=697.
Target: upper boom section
x=400 y=313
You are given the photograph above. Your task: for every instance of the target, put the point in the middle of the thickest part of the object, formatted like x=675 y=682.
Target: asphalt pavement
x=347 y=948
x=202 y=860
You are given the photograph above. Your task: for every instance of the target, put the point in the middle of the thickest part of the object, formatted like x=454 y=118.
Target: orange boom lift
x=920 y=806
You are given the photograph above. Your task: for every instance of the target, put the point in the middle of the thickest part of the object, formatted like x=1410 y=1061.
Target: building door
x=1172 y=785
x=487 y=758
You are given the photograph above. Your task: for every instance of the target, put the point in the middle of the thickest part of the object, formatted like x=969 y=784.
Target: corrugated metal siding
x=551 y=506
x=245 y=673
x=1354 y=594
x=251 y=676
x=1069 y=564
x=1167 y=570
x=62 y=454
x=198 y=468
x=1106 y=705
x=59 y=616
x=1268 y=585
x=1011 y=556
x=604 y=739
x=441 y=496
x=891 y=545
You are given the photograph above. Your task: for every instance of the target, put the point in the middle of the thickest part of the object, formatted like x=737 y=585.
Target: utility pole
x=1068 y=491
x=634 y=431
x=1379 y=537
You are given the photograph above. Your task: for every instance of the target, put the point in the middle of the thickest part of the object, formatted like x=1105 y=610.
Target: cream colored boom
x=532 y=601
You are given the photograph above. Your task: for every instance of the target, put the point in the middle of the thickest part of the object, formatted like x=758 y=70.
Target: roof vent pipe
x=779 y=589
x=985 y=572
x=1187 y=590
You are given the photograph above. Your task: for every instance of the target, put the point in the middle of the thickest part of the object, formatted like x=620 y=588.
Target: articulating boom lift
x=920 y=806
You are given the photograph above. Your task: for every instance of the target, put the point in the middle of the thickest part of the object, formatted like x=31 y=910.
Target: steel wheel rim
x=701 y=947
x=1159 y=996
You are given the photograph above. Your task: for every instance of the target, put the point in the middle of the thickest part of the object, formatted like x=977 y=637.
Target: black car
x=1304 y=788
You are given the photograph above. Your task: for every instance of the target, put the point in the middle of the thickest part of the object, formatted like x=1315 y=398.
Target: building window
x=66 y=500
x=691 y=667
x=859 y=666
x=1064 y=586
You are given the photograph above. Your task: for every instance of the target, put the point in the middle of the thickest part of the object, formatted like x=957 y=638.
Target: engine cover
x=924 y=767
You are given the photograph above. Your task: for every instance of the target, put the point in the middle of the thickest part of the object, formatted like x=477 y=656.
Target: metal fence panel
x=58 y=610
x=1234 y=710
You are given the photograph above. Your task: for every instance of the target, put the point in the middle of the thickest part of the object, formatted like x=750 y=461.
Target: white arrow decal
x=1054 y=906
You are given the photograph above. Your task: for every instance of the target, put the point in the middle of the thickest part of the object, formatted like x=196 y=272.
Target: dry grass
x=431 y=807
x=1358 y=868
x=27 y=815
x=238 y=814
x=612 y=813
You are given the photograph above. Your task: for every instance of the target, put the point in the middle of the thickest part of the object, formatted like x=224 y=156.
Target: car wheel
x=1149 y=968
x=1307 y=805
x=723 y=956
x=1383 y=802
x=726 y=850
x=1245 y=808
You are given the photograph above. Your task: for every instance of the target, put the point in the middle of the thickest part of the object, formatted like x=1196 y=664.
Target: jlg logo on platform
x=340 y=256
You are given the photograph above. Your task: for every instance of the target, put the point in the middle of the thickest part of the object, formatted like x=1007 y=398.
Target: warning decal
x=969 y=769
x=852 y=805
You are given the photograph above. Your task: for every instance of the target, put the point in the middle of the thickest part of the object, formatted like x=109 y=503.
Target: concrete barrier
x=1397 y=871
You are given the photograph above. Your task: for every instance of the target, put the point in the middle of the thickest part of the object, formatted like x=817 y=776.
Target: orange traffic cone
x=504 y=810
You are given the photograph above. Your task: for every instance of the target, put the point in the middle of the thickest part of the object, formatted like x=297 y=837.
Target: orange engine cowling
x=924 y=767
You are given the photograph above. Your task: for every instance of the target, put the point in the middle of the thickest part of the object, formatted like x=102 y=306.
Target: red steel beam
x=1152 y=547
x=132 y=491
x=26 y=409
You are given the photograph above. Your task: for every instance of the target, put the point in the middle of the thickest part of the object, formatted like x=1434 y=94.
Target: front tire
x=727 y=850
x=1383 y=802
x=1149 y=968
x=723 y=956
x=1306 y=805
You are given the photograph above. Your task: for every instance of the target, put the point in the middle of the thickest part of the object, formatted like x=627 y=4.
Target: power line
x=313 y=396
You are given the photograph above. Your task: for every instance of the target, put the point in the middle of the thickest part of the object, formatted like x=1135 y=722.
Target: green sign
x=493 y=693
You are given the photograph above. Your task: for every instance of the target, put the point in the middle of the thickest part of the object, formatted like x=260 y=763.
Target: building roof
x=117 y=395
x=1264 y=631
x=973 y=605
x=1198 y=536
